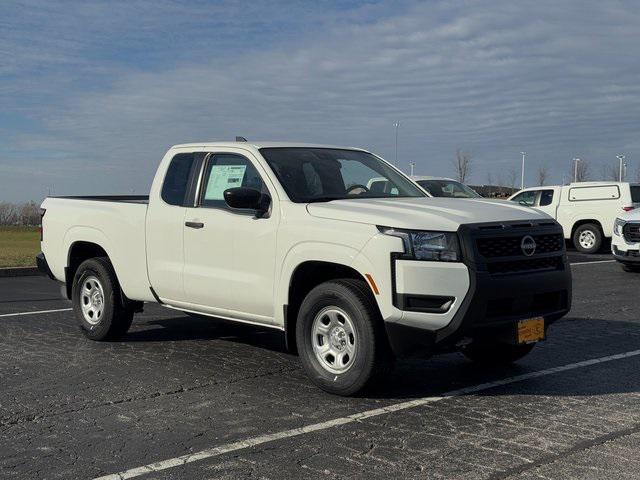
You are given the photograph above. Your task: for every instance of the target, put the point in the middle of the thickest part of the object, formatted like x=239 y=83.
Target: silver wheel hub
x=334 y=340
x=338 y=338
x=92 y=300
x=587 y=239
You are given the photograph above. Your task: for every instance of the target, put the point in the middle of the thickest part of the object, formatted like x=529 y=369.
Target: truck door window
x=546 y=198
x=176 y=181
x=526 y=198
x=225 y=171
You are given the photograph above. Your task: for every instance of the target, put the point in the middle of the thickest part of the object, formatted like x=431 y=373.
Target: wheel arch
x=579 y=223
x=306 y=276
x=78 y=252
x=82 y=250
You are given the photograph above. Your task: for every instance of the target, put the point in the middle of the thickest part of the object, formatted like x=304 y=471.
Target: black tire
x=595 y=236
x=500 y=354
x=630 y=268
x=371 y=357
x=114 y=320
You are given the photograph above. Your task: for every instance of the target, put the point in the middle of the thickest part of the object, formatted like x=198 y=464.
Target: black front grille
x=631 y=232
x=493 y=247
x=496 y=248
x=526 y=265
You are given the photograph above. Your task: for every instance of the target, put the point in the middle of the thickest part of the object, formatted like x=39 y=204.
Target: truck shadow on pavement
x=194 y=328
x=569 y=341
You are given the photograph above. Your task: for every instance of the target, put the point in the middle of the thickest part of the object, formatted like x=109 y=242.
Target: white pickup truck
x=625 y=244
x=288 y=236
x=586 y=210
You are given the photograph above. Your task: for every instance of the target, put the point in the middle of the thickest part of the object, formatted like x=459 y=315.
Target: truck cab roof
x=259 y=145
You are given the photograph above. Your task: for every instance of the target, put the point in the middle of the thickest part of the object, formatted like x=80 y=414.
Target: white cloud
x=556 y=79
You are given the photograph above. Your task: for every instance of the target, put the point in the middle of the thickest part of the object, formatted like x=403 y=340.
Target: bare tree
x=489 y=178
x=462 y=165
x=490 y=183
x=581 y=173
x=8 y=215
x=512 y=176
x=29 y=214
x=543 y=174
x=609 y=172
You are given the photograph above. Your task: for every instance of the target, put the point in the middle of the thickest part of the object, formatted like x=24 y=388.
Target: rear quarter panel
x=117 y=227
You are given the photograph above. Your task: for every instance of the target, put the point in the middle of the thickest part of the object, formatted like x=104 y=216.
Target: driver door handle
x=194 y=224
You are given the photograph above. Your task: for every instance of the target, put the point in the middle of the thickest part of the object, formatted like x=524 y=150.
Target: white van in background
x=586 y=210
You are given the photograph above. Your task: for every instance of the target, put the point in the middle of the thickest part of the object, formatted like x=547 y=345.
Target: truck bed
x=110 y=198
x=114 y=222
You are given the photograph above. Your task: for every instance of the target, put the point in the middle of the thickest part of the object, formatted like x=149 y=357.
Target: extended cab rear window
x=635 y=193
x=178 y=178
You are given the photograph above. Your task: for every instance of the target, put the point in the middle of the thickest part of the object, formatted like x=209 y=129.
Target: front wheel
x=96 y=301
x=340 y=337
x=587 y=238
x=630 y=268
x=500 y=354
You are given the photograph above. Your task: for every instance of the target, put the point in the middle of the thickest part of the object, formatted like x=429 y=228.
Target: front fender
x=318 y=252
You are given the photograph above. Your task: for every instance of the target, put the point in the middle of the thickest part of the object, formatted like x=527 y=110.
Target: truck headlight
x=618 y=225
x=426 y=245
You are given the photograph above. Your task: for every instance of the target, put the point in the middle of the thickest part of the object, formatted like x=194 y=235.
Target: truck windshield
x=447 y=188
x=325 y=174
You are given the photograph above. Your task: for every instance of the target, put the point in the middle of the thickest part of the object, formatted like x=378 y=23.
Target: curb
x=19 y=272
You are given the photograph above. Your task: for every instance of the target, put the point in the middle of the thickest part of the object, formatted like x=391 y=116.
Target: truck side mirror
x=247 y=198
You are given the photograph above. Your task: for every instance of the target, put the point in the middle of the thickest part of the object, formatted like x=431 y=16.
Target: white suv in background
x=625 y=244
x=586 y=210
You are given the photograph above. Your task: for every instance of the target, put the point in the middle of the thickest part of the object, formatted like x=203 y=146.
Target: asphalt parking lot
x=188 y=398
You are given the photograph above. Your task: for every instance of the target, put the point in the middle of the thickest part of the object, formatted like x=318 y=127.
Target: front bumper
x=624 y=251
x=493 y=304
x=630 y=256
x=491 y=310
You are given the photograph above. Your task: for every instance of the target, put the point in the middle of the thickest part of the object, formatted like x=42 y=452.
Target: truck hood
x=427 y=213
x=631 y=216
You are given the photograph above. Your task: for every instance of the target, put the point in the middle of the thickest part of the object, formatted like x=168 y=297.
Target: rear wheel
x=340 y=337
x=497 y=354
x=97 y=302
x=587 y=238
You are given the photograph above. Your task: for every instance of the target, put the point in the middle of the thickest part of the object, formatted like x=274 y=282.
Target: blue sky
x=93 y=93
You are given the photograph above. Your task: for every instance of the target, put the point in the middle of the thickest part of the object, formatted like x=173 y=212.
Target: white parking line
x=262 y=439
x=595 y=261
x=35 y=313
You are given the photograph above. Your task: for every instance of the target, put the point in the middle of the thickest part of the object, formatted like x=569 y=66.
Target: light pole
x=622 y=167
x=575 y=169
x=524 y=154
x=411 y=165
x=397 y=125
